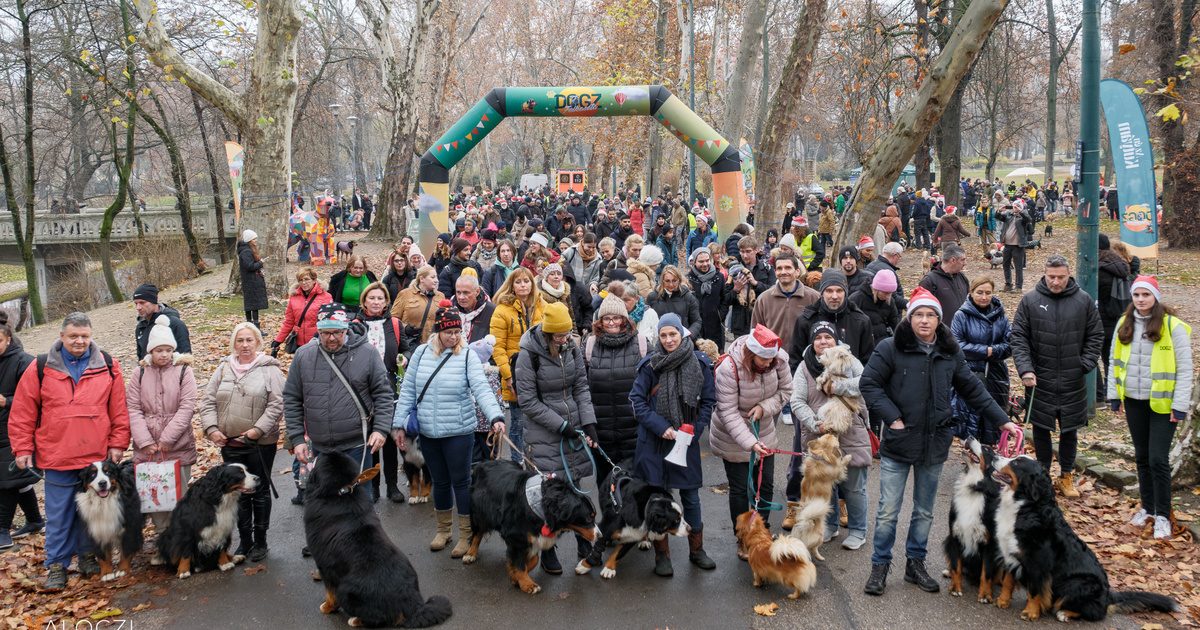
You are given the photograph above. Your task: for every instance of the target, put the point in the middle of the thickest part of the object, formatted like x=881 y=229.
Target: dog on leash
x=417 y=472
x=784 y=560
x=364 y=573
x=202 y=523
x=824 y=466
x=970 y=546
x=108 y=503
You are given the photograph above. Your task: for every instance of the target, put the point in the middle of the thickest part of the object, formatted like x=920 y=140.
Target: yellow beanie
x=557 y=320
x=470 y=271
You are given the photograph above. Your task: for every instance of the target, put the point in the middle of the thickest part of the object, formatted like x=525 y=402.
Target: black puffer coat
x=950 y=290
x=1057 y=337
x=683 y=303
x=1112 y=268
x=713 y=306
x=254 y=285
x=12 y=365
x=853 y=324
x=396 y=283
x=902 y=382
x=611 y=372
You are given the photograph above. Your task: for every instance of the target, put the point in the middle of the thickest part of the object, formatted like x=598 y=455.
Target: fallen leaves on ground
x=767 y=610
x=254 y=570
x=1101 y=518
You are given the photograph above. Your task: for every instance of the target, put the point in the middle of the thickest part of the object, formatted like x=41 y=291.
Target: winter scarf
x=554 y=293
x=617 y=340
x=706 y=280
x=638 y=311
x=814 y=365
x=679 y=382
x=485 y=258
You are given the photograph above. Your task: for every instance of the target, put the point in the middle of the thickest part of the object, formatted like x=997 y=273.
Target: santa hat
x=799 y=221
x=951 y=209
x=922 y=297
x=1149 y=283
x=763 y=342
x=865 y=243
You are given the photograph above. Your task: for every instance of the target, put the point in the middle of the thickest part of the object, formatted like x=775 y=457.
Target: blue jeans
x=893 y=477
x=516 y=431
x=449 y=461
x=854 y=492
x=66 y=533
x=691 y=508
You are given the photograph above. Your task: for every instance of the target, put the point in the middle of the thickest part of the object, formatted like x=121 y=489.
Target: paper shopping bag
x=159 y=485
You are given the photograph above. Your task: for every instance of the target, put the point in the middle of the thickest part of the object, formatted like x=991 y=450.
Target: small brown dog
x=824 y=465
x=837 y=414
x=784 y=560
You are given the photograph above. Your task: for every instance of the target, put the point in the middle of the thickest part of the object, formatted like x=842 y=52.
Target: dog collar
x=533 y=496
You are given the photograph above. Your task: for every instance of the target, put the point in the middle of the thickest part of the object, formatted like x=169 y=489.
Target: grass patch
x=12 y=273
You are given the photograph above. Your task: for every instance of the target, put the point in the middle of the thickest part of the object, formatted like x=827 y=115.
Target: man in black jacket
x=907 y=384
x=854 y=327
x=759 y=277
x=1056 y=340
x=145 y=300
x=947 y=282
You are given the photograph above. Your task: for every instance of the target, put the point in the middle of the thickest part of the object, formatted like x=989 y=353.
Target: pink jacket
x=161 y=404
x=732 y=434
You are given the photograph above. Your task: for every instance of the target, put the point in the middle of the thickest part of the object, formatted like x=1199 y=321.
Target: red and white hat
x=865 y=243
x=1149 y=283
x=763 y=342
x=799 y=221
x=922 y=297
x=951 y=209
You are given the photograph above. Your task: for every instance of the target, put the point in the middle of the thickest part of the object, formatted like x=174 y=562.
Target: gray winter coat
x=556 y=392
x=315 y=401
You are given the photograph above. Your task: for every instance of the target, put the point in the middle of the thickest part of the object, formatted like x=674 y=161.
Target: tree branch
x=165 y=55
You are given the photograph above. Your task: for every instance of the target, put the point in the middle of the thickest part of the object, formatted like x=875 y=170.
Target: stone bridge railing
x=85 y=228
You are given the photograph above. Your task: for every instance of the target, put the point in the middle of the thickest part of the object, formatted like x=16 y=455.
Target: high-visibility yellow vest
x=806 y=250
x=1162 y=365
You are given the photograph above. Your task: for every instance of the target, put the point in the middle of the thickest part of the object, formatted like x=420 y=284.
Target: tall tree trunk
x=183 y=197
x=923 y=158
x=653 y=186
x=1051 y=93
x=401 y=66
x=26 y=241
x=754 y=17
x=781 y=121
x=263 y=117
x=949 y=148
x=916 y=118
x=1181 y=172
x=764 y=87
x=214 y=181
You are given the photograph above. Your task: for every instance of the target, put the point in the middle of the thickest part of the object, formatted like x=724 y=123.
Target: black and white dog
x=202 y=523
x=632 y=512
x=107 y=501
x=970 y=546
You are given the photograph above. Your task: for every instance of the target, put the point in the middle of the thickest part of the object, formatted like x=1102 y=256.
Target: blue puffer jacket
x=448 y=408
x=975 y=331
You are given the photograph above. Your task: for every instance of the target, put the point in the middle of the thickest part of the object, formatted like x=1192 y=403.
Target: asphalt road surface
x=285 y=596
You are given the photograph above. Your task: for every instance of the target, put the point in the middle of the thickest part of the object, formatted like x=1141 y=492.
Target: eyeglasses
x=612 y=319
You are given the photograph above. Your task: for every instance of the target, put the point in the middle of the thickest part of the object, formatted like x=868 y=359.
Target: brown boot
x=445 y=529
x=662 y=558
x=789 y=516
x=464 y=537
x=696 y=551
x=1066 y=484
x=843 y=516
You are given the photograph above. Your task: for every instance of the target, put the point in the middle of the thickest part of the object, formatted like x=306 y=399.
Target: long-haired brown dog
x=784 y=560
x=824 y=465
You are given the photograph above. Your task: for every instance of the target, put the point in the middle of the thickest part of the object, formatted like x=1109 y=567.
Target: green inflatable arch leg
x=728 y=199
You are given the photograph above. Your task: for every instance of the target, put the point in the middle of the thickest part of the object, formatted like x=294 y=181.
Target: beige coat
x=234 y=405
x=643 y=275
x=732 y=433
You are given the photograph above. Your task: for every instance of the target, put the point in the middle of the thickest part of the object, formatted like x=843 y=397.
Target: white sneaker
x=853 y=542
x=787 y=418
x=830 y=534
x=1162 y=528
x=1140 y=518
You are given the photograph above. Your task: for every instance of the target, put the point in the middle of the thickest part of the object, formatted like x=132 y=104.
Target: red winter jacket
x=79 y=421
x=295 y=306
x=636 y=219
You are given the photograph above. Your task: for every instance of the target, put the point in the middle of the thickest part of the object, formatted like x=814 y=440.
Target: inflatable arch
x=728 y=202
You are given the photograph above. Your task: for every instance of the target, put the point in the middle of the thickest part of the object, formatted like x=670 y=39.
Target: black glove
x=566 y=430
x=275 y=348
x=1114 y=405
x=590 y=431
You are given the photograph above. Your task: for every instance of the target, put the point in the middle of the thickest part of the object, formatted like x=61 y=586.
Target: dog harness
x=533 y=496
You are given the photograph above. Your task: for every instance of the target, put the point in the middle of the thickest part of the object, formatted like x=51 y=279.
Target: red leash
x=771 y=505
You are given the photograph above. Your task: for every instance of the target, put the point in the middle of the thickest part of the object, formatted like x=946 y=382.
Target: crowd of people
x=590 y=330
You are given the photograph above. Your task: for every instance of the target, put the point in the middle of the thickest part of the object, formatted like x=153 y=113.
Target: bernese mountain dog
x=202 y=523
x=364 y=573
x=107 y=501
x=1040 y=550
x=632 y=512
x=528 y=511
x=971 y=544
x=417 y=472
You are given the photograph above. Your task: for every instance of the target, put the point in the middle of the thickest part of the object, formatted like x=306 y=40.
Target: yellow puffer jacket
x=509 y=322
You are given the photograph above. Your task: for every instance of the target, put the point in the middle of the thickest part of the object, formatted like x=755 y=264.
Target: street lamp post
x=1088 y=218
x=691 y=196
x=354 y=131
x=336 y=176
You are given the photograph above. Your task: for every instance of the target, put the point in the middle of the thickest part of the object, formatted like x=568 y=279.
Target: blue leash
x=582 y=444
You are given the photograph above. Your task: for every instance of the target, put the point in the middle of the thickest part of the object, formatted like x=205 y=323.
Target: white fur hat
x=651 y=255
x=248 y=235
x=160 y=334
